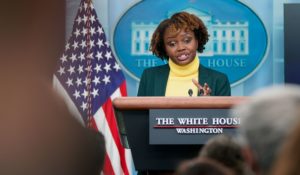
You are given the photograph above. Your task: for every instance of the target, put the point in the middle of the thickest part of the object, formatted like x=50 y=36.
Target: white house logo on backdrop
x=228 y=38
x=237 y=43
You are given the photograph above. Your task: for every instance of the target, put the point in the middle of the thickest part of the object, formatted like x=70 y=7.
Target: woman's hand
x=203 y=90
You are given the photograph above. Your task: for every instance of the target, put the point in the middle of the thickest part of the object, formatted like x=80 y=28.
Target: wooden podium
x=133 y=121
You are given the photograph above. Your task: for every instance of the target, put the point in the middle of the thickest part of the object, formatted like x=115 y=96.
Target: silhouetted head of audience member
x=224 y=149
x=266 y=120
x=288 y=159
x=202 y=166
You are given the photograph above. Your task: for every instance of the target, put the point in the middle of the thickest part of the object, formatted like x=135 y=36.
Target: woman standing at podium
x=177 y=40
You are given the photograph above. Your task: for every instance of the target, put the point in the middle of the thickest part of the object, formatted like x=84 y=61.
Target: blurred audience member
x=38 y=135
x=202 y=166
x=266 y=120
x=289 y=157
x=225 y=150
x=32 y=36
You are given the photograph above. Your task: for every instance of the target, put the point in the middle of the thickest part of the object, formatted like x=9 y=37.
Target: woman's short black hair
x=178 y=21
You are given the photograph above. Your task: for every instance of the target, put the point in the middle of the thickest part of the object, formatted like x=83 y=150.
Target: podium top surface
x=140 y=103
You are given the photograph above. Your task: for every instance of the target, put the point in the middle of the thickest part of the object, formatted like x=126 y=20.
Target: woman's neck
x=184 y=70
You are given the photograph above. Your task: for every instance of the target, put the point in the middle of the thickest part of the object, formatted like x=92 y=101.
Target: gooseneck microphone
x=190 y=92
x=201 y=92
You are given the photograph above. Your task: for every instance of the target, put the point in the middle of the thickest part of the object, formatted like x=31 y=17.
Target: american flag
x=89 y=78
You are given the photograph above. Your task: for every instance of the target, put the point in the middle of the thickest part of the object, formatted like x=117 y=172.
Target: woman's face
x=180 y=46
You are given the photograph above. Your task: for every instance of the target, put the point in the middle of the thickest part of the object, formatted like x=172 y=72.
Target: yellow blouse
x=180 y=78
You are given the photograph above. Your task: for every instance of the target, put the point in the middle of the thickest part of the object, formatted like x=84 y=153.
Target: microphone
x=201 y=92
x=190 y=92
